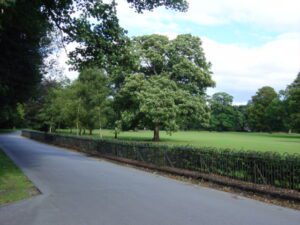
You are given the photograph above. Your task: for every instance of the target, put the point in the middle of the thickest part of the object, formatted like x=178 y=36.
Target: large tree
x=257 y=109
x=182 y=58
x=170 y=87
x=23 y=30
x=223 y=115
x=93 y=92
x=293 y=104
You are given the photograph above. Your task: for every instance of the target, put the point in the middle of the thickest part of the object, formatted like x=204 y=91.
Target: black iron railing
x=269 y=168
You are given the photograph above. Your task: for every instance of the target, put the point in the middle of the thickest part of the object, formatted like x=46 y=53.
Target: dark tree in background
x=257 y=110
x=225 y=116
x=293 y=104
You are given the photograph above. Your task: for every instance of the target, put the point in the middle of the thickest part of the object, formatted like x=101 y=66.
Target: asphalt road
x=81 y=190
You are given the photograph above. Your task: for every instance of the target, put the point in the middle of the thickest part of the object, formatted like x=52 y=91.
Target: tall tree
x=170 y=77
x=93 y=92
x=224 y=116
x=257 y=109
x=23 y=31
x=293 y=104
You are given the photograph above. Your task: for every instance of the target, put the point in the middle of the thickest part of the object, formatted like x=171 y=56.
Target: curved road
x=79 y=190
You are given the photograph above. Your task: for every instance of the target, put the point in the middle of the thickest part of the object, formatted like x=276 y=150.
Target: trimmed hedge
x=270 y=168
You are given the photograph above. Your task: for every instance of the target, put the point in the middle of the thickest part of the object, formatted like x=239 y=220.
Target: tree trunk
x=156 y=133
x=77 y=120
x=100 y=131
x=91 y=131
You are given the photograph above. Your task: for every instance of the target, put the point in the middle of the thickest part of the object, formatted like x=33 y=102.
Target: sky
x=250 y=43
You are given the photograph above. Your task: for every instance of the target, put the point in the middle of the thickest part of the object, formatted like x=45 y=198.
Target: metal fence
x=280 y=170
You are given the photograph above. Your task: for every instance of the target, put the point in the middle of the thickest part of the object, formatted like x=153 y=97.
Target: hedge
x=269 y=168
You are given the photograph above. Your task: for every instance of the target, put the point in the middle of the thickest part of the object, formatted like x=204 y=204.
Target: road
x=80 y=190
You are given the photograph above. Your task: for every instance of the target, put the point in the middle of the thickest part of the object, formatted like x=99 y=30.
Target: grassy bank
x=278 y=142
x=14 y=185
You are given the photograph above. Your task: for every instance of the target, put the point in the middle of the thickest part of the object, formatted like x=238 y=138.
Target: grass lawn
x=279 y=142
x=14 y=185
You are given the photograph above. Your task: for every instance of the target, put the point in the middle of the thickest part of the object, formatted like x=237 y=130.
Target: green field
x=278 y=142
x=14 y=185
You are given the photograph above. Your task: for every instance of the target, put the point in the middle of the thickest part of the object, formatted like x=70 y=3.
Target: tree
x=293 y=104
x=223 y=115
x=180 y=5
x=257 y=109
x=53 y=112
x=158 y=103
x=182 y=58
x=23 y=44
x=275 y=115
x=38 y=101
x=241 y=123
x=161 y=94
x=93 y=91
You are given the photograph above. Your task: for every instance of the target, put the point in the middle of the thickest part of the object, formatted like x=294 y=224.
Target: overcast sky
x=250 y=43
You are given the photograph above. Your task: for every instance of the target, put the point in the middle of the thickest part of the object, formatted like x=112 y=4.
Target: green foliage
x=225 y=116
x=183 y=59
x=187 y=64
x=257 y=109
x=293 y=104
x=25 y=33
x=83 y=104
x=35 y=108
x=180 y=5
x=23 y=45
x=118 y=128
x=276 y=114
x=159 y=100
x=53 y=113
x=92 y=91
x=222 y=112
x=169 y=89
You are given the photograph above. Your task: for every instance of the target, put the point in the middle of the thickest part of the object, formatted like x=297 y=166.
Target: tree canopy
x=293 y=103
x=169 y=85
x=25 y=34
x=258 y=106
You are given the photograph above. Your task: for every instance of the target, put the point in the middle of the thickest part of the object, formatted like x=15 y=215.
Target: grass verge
x=14 y=185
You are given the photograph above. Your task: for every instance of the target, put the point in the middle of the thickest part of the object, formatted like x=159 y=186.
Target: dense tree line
x=267 y=111
x=142 y=102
